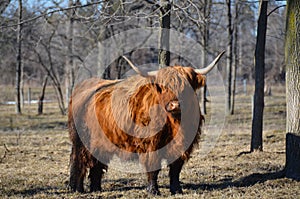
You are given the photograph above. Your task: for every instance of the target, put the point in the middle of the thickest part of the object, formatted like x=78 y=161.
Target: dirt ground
x=34 y=159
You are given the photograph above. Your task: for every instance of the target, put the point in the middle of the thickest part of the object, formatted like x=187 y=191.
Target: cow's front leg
x=174 y=173
x=152 y=182
x=96 y=173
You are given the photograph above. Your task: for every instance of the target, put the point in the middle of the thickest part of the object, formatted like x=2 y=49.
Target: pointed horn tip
x=207 y=69
x=222 y=53
x=219 y=56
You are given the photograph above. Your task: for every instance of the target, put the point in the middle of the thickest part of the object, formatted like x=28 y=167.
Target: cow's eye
x=173 y=106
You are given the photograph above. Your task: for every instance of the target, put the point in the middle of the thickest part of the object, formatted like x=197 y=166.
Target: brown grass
x=34 y=158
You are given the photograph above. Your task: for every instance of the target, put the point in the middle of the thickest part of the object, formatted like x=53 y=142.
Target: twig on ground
x=5 y=153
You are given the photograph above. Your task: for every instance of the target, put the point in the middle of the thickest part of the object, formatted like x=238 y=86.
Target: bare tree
x=44 y=54
x=42 y=96
x=19 y=58
x=258 y=104
x=205 y=37
x=292 y=57
x=235 y=55
x=165 y=23
x=229 y=57
x=69 y=68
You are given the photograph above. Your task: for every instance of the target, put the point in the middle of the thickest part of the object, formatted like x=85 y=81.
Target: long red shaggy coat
x=150 y=118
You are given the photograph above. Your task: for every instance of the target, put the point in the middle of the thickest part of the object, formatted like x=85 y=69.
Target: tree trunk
x=235 y=55
x=258 y=108
x=42 y=96
x=229 y=57
x=292 y=166
x=69 y=70
x=205 y=36
x=164 y=34
x=292 y=57
x=19 y=59
x=102 y=53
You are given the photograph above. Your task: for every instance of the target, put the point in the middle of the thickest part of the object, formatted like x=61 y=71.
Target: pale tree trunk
x=19 y=59
x=69 y=69
x=258 y=108
x=292 y=60
x=229 y=57
x=164 y=34
x=103 y=71
x=205 y=36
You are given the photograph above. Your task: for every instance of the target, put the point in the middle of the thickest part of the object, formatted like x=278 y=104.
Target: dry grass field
x=34 y=158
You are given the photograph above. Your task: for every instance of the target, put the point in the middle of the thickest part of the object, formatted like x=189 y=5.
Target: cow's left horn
x=204 y=71
x=139 y=71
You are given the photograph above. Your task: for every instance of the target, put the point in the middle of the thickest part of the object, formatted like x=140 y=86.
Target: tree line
x=57 y=35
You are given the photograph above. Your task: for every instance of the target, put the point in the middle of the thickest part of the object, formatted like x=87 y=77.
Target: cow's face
x=176 y=86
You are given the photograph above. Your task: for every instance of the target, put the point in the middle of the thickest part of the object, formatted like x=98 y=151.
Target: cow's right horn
x=139 y=71
x=204 y=71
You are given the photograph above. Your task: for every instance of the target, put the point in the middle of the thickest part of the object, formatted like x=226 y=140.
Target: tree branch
x=275 y=9
x=52 y=12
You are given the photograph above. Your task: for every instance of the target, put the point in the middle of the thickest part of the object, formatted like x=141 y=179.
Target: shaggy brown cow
x=150 y=116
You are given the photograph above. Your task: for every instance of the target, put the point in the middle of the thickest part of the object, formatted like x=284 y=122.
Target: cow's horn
x=139 y=71
x=204 y=71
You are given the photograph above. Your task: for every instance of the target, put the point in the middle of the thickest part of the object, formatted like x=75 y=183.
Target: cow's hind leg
x=174 y=173
x=77 y=172
x=96 y=173
x=152 y=182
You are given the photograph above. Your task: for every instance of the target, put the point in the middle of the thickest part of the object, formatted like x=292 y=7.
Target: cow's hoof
x=95 y=189
x=177 y=190
x=153 y=190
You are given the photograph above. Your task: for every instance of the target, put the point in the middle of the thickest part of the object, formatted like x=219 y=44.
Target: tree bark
x=42 y=96
x=69 y=70
x=205 y=37
x=292 y=60
x=292 y=166
x=164 y=34
x=229 y=57
x=258 y=108
x=19 y=59
x=235 y=55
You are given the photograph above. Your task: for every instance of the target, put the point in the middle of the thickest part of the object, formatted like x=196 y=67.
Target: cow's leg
x=77 y=172
x=152 y=182
x=174 y=173
x=96 y=173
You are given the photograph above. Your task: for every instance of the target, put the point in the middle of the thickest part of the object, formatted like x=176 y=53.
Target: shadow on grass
x=122 y=184
x=125 y=184
x=241 y=182
x=37 y=190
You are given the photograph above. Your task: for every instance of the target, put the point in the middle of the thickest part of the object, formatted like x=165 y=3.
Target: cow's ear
x=201 y=79
x=173 y=106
